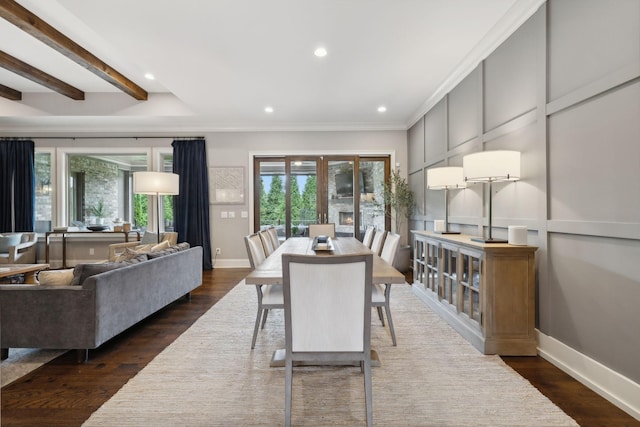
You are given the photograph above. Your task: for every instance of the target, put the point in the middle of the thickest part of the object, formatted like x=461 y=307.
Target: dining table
x=269 y=272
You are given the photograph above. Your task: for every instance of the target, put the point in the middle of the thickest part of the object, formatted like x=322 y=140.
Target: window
x=100 y=189
x=44 y=192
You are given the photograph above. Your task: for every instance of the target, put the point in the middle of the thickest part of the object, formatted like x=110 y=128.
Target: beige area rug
x=21 y=361
x=210 y=377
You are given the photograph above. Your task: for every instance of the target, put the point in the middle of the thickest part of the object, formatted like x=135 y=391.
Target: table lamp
x=490 y=167
x=444 y=179
x=156 y=184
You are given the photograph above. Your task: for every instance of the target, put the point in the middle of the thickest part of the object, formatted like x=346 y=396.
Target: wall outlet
x=218 y=251
x=91 y=251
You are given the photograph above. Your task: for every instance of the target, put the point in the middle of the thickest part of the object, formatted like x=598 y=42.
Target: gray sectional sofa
x=84 y=316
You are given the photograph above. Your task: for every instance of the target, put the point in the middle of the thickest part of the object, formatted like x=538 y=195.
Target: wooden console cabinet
x=485 y=291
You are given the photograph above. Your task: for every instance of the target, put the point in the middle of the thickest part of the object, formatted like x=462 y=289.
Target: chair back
x=171 y=237
x=378 y=241
x=273 y=233
x=367 y=240
x=327 y=302
x=255 y=249
x=266 y=242
x=390 y=247
x=322 y=230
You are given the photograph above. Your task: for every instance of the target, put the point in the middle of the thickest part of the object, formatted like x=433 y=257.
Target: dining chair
x=378 y=241
x=367 y=240
x=269 y=296
x=381 y=293
x=273 y=233
x=327 y=308
x=267 y=242
x=322 y=230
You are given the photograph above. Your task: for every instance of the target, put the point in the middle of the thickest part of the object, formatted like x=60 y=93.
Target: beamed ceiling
x=78 y=66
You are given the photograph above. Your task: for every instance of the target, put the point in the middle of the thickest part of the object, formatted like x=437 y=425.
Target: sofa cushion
x=137 y=259
x=158 y=254
x=82 y=271
x=9 y=240
x=56 y=277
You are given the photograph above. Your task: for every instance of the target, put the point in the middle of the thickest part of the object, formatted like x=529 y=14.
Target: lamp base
x=447 y=232
x=483 y=240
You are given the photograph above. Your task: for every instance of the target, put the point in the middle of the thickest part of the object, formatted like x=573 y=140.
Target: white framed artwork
x=226 y=185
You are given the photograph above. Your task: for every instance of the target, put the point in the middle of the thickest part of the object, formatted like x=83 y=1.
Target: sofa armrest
x=36 y=316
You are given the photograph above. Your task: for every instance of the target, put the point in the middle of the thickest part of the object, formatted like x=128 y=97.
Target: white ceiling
x=218 y=63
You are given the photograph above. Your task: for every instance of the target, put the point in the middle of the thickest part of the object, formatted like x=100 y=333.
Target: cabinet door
x=448 y=270
x=470 y=279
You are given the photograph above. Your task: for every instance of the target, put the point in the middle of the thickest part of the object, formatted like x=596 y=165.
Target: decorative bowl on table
x=97 y=227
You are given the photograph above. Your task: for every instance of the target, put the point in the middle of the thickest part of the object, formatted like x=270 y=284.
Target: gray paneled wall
x=564 y=89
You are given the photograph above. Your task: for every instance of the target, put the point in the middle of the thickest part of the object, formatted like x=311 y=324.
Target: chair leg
x=393 y=333
x=264 y=317
x=380 y=315
x=368 y=392
x=255 y=329
x=287 y=391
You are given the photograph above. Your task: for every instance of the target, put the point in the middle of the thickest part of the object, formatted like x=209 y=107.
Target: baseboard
x=231 y=263
x=619 y=390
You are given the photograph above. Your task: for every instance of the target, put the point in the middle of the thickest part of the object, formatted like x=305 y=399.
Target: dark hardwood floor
x=64 y=393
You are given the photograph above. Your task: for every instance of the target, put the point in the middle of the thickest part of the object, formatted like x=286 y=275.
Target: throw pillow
x=56 y=277
x=138 y=259
x=9 y=240
x=143 y=249
x=160 y=246
x=128 y=254
x=82 y=271
x=148 y=238
x=182 y=246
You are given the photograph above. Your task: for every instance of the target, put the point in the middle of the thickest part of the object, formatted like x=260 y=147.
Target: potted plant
x=98 y=211
x=400 y=198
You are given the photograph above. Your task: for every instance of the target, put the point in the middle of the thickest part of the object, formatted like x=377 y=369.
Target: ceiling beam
x=27 y=71
x=12 y=94
x=33 y=25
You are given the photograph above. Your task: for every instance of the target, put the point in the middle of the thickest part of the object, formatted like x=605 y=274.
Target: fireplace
x=345 y=218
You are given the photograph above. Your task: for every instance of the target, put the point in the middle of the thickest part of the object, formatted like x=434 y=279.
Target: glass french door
x=292 y=192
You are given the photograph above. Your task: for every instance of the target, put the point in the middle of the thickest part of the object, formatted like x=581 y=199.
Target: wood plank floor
x=64 y=393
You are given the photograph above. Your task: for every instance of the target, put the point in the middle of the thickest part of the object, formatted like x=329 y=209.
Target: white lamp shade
x=445 y=178
x=158 y=183
x=498 y=165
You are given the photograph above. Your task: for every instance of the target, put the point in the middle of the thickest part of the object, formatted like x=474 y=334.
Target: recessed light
x=382 y=109
x=149 y=76
x=320 y=52
x=268 y=109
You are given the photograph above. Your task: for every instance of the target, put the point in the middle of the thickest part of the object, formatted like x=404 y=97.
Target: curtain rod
x=8 y=138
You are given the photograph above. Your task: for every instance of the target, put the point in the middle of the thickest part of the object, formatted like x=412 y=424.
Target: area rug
x=21 y=361
x=210 y=376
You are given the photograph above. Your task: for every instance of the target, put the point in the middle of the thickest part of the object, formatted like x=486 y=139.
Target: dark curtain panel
x=17 y=179
x=191 y=206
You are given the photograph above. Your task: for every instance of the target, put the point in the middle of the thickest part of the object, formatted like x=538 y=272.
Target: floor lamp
x=445 y=178
x=490 y=167
x=156 y=184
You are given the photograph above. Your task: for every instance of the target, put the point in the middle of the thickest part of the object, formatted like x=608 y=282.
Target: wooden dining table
x=269 y=272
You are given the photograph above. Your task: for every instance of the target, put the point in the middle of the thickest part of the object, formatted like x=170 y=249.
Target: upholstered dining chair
x=322 y=230
x=327 y=308
x=273 y=233
x=367 y=240
x=267 y=242
x=378 y=241
x=269 y=296
x=380 y=294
